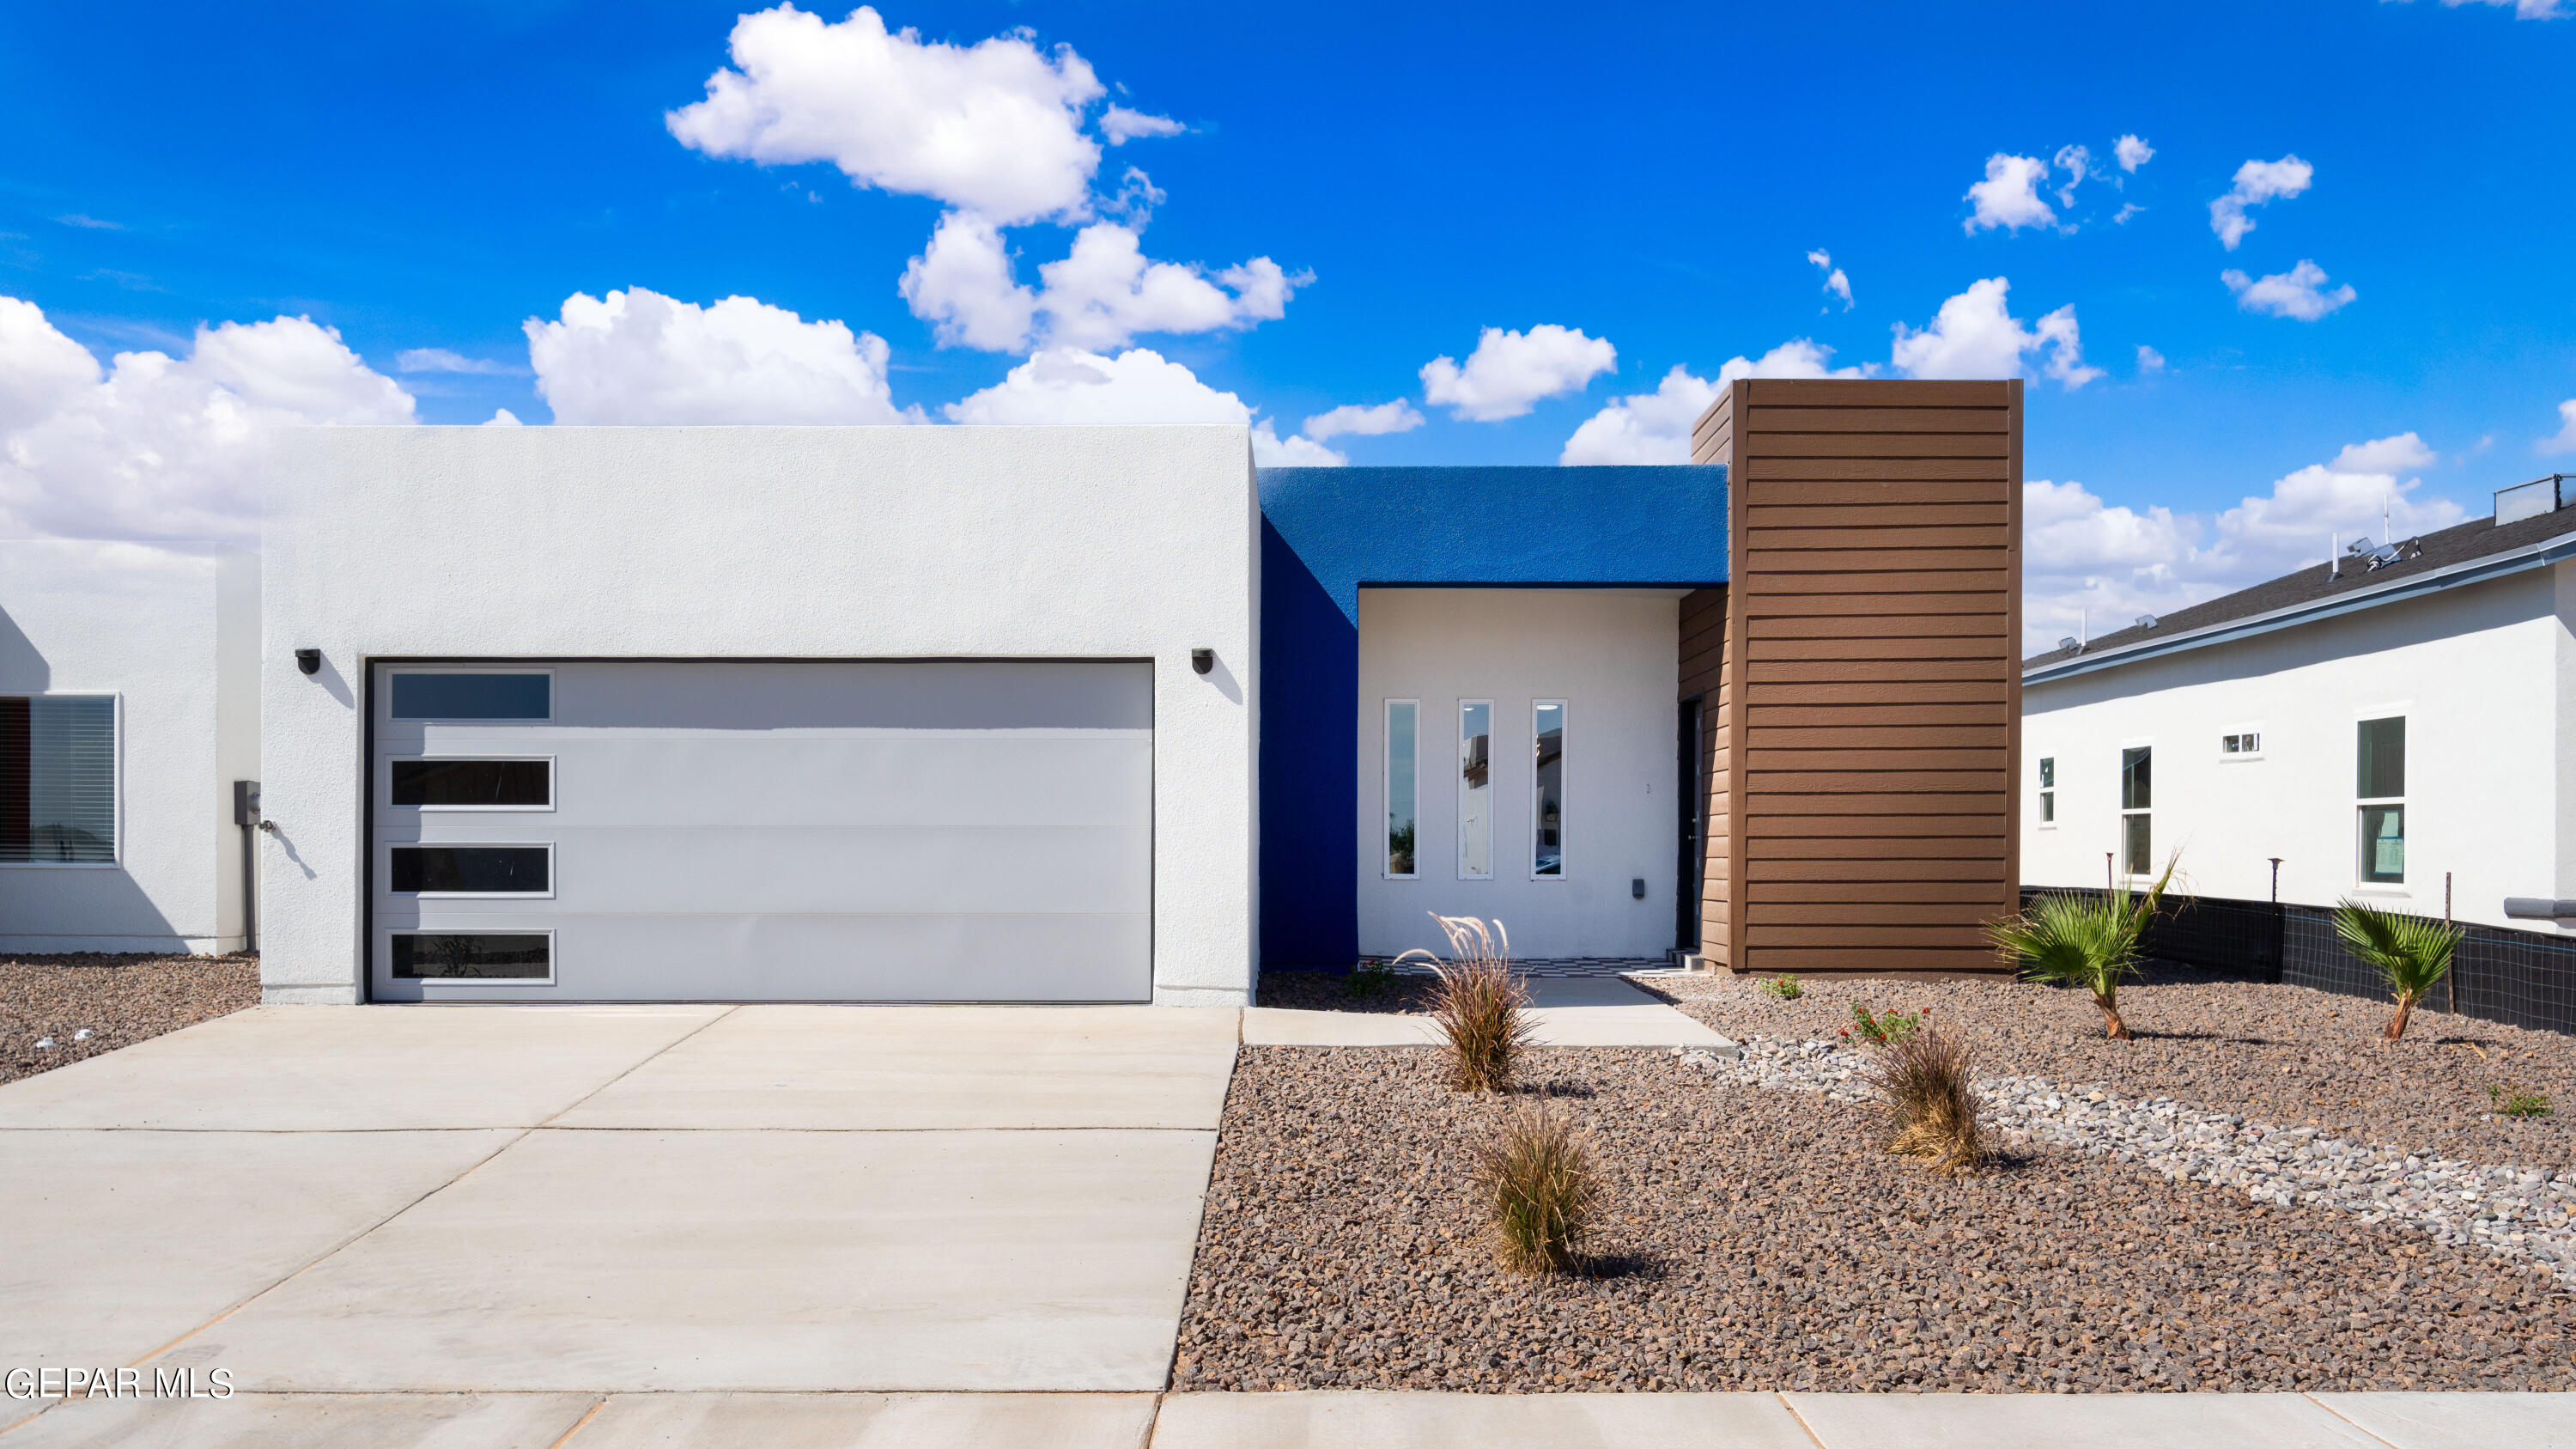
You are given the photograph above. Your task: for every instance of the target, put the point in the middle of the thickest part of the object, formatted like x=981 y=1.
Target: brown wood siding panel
x=1873 y=734
x=1703 y=633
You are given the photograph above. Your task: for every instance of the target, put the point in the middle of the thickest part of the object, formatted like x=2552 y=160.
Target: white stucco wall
x=2482 y=675
x=148 y=624
x=1614 y=657
x=1132 y=542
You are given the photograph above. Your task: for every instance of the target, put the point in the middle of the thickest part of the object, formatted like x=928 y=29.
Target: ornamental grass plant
x=1536 y=1176
x=2411 y=953
x=2084 y=940
x=1479 y=1008
x=1926 y=1080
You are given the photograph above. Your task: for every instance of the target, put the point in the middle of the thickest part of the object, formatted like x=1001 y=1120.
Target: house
x=2396 y=726
x=1109 y=714
x=129 y=709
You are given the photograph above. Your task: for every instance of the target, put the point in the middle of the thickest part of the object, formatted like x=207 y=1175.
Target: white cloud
x=640 y=357
x=2077 y=163
x=1975 y=335
x=1648 y=427
x=2522 y=9
x=1363 y=422
x=2009 y=196
x=1655 y=427
x=2132 y=152
x=1122 y=125
x=2256 y=183
x=502 y=418
x=994 y=128
x=1068 y=385
x=1108 y=291
x=2083 y=554
x=1835 y=281
x=2127 y=209
x=2565 y=441
x=961 y=284
x=1269 y=450
x=1510 y=371
x=2299 y=292
x=1104 y=293
x=2149 y=360
x=157 y=446
x=439 y=359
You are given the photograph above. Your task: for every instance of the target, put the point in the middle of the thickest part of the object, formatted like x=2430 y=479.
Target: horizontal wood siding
x=1873 y=686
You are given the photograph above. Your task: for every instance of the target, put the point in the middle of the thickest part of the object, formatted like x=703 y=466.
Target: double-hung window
x=2048 y=789
x=2380 y=785
x=2137 y=798
x=58 y=779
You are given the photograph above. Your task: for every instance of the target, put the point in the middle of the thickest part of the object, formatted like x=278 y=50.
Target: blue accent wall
x=1326 y=533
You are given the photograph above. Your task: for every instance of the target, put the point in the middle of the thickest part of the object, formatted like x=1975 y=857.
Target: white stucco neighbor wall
x=893 y=542
x=161 y=627
x=2482 y=675
x=1614 y=657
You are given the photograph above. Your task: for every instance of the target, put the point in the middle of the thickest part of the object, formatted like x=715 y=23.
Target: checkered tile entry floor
x=1577 y=966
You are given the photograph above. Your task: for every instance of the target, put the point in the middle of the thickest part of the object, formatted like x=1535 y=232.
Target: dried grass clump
x=1537 y=1179
x=1479 y=1006
x=1926 y=1079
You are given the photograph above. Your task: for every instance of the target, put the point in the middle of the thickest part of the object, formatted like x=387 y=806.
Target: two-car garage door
x=762 y=831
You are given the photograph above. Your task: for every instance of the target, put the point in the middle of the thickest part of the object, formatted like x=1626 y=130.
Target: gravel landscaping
x=1759 y=1239
x=55 y=1010
x=1331 y=991
x=2282 y=1055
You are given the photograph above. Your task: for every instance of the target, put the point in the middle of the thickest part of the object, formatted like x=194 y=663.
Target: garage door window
x=474 y=784
x=449 y=695
x=474 y=956
x=473 y=870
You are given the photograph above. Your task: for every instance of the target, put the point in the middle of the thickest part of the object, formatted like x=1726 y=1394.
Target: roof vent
x=2069 y=645
x=2146 y=621
x=2531 y=500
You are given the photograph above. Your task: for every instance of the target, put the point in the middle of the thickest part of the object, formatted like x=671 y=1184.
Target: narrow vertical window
x=1475 y=789
x=1547 y=795
x=2137 y=796
x=2048 y=790
x=2380 y=782
x=58 y=780
x=1403 y=726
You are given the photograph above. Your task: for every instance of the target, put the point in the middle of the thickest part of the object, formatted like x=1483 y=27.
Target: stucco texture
x=779 y=543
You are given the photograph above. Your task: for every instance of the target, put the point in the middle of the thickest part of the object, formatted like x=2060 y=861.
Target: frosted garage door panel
x=862 y=831
x=827 y=958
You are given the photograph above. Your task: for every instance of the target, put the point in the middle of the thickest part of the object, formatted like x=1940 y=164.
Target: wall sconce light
x=1202 y=660
x=309 y=660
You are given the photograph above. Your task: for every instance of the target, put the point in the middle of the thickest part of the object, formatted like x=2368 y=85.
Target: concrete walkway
x=1595 y=1011
x=1313 y=1421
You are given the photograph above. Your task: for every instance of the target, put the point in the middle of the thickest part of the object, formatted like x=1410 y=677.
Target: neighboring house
x=2398 y=726
x=1107 y=714
x=129 y=707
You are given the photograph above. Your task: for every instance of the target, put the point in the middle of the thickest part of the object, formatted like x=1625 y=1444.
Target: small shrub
x=1371 y=979
x=1891 y=1027
x=1784 y=986
x=2085 y=941
x=1479 y=1007
x=1536 y=1176
x=1926 y=1079
x=2412 y=953
x=2512 y=1101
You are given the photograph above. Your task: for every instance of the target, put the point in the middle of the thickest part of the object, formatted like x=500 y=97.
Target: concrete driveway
x=530 y=1201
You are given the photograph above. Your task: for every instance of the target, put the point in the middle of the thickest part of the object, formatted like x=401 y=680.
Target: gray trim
x=2531 y=556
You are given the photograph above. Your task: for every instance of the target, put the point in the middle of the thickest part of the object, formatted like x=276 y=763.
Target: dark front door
x=1693 y=863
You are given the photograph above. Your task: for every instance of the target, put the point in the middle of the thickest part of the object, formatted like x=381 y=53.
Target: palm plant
x=1478 y=1006
x=2410 y=952
x=2087 y=941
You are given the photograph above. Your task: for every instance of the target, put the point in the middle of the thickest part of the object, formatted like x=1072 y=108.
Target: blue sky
x=432 y=176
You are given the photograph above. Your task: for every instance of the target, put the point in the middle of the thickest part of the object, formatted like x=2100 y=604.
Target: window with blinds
x=57 y=779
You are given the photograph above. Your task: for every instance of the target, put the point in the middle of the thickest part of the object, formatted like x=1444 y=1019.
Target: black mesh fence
x=2521 y=978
